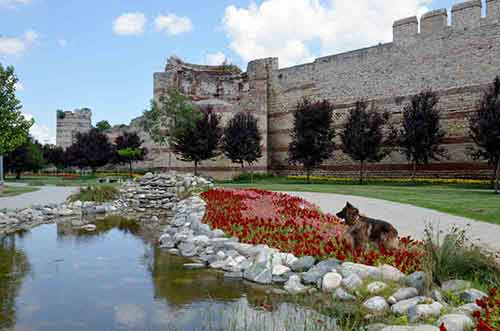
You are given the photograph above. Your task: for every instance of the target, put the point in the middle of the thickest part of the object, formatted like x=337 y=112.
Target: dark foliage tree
x=27 y=157
x=91 y=149
x=363 y=136
x=241 y=140
x=103 y=126
x=421 y=135
x=312 y=134
x=484 y=127
x=54 y=155
x=129 y=149
x=198 y=141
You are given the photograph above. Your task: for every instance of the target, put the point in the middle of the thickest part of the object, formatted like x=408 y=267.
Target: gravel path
x=408 y=219
x=46 y=195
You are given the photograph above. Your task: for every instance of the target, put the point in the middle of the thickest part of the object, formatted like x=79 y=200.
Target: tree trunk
x=308 y=176
x=1 y=174
x=497 y=176
x=196 y=168
x=361 y=171
x=18 y=175
x=130 y=169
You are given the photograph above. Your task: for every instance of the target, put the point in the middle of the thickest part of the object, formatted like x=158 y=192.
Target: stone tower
x=69 y=123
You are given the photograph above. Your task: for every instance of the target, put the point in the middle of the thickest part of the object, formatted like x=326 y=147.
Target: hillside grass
x=10 y=191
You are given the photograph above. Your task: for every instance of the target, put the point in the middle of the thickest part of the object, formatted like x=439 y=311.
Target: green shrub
x=95 y=194
x=454 y=257
x=247 y=177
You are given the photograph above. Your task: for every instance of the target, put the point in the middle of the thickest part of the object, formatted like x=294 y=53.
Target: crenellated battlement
x=465 y=16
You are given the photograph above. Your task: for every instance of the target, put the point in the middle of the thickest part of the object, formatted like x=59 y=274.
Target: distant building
x=69 y=123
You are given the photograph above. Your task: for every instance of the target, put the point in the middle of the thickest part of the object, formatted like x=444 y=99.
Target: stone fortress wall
x=457 y=61
x=69 y=123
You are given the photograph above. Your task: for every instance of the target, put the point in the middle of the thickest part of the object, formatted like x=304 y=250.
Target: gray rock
x=363 y=271
x=352 y=281
x=472 y=295
x=437 y=296
x=420 y=311
x=167 y=241
x=294 y=286
x=403 y=294
x=279 y=270
x=187 y=249
x=456 y=322
x=319 y=270
x=402 y=307
x=259 y=273
x=389 y=273
x=376 y=287
x=411 y=328
x=416 y=280
x=218 y=233
x=280 y=279
x=376 y=304
x=303 y=263
x=455 y=285
x=330 y=282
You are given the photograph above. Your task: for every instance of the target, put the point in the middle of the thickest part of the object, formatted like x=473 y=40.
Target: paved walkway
x=46 y=195
x=408 y=219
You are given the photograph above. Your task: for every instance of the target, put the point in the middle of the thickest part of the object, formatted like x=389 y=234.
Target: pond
x=57 y=278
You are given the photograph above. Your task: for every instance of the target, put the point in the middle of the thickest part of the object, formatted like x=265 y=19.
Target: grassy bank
x=10 y=191
x=472 y=201
x=57 y=180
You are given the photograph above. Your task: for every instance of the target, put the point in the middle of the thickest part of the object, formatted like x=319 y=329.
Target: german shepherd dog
x=363 y=230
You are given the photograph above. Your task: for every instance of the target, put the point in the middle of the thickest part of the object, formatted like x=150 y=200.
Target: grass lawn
x=56 y=181
x=10 y=191
x=472 y=202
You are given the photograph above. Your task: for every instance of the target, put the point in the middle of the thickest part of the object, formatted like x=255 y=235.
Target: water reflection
x=116 y=279
x=14 y=267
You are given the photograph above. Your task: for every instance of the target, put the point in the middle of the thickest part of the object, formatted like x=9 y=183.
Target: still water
x=57 y=278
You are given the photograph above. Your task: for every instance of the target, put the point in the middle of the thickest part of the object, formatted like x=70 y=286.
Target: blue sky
x=102 y=54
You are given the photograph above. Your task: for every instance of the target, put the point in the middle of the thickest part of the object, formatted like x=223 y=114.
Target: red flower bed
x=488 y=319
x=294 y=225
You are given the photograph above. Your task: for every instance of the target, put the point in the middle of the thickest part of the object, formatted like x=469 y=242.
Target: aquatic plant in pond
x=294 y=225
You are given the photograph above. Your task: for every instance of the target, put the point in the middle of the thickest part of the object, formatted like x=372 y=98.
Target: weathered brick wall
x=457 y=61
x=69 y=123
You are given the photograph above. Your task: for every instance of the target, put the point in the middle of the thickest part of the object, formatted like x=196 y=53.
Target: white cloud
x=173 y=24
x=42 y=133
x=215 y=59
x=13 y=3
x=17 y=45
x=62 y=42
x=288 y=29
x=130 y=24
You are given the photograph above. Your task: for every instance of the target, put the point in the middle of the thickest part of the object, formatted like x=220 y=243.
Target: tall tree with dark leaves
x=241 y=141
x=484 y=127
x=27 y=157
x=312 y=135
x=129 y=149
x=198 y=141
x=91 y=149
x=103 y=126
x=54 y=155
x=363 y=137
x=421 y=136
x=14 y=127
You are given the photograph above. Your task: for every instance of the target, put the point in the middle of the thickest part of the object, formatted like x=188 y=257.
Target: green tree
x=241 y=139
x=198 y=140
x=129 y=149
x=14 y=127
x=363 y=136
x=27 y=157
x=421 y=136
x=484 y=127
x=103 y=126
x=312 y=135
x=91 y=149
x=54 y=155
